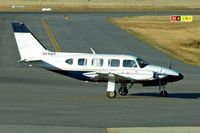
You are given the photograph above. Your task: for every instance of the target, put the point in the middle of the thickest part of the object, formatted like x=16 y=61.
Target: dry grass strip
x=181 y=40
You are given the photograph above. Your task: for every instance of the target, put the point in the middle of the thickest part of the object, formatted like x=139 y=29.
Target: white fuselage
x=94 y=66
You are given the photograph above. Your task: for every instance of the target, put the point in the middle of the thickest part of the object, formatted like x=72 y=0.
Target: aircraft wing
x=133 y=75
x=137 y=76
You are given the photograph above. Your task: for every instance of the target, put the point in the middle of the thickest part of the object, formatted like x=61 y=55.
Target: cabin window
x=69 y=61
x=129 y=63
x=82 y=62
x=97 y=62
x=113 y=62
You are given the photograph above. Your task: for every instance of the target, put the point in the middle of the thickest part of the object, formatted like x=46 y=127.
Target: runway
x=33 y=96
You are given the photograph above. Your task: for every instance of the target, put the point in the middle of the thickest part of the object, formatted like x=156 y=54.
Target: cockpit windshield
x=141 y=62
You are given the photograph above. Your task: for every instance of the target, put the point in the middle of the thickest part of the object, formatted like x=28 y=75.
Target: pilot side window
x=82 y=62
x=129 y=63
x=69 y=61
x=97 y=62
x=113 y=62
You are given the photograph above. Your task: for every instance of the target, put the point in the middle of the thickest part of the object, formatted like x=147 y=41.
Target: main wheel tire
x=111 y=94
x=123 y=91
x=163 y=93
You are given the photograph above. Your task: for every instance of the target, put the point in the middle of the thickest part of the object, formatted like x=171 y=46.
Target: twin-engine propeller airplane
x=110 y=68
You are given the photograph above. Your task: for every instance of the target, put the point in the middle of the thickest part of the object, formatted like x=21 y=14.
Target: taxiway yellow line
x=50 y=35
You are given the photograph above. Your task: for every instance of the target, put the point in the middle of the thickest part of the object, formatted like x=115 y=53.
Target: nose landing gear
x=163 y=92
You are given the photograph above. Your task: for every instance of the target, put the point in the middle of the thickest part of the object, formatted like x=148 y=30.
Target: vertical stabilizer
x=29 y=47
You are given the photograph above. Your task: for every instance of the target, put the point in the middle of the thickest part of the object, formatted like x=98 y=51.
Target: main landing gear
x=111 y=92
x=123 y=91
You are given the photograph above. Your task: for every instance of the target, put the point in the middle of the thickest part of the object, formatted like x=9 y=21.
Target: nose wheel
x=163 y=92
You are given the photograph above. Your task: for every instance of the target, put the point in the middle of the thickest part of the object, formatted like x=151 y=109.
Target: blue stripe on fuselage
x=74 y=74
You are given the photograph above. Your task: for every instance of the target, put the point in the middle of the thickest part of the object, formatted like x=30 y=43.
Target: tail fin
x=29 y=47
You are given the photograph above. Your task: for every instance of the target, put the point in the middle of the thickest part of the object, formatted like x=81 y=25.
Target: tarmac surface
x=34 y=96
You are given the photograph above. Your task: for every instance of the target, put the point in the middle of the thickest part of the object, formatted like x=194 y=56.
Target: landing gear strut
x=111 y=93
x=163 y=92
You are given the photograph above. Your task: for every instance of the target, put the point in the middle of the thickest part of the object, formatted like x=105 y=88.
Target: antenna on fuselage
x=92 y=50
x=170 y=64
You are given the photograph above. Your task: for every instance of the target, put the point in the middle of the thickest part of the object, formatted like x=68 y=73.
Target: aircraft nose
x=180 y=76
